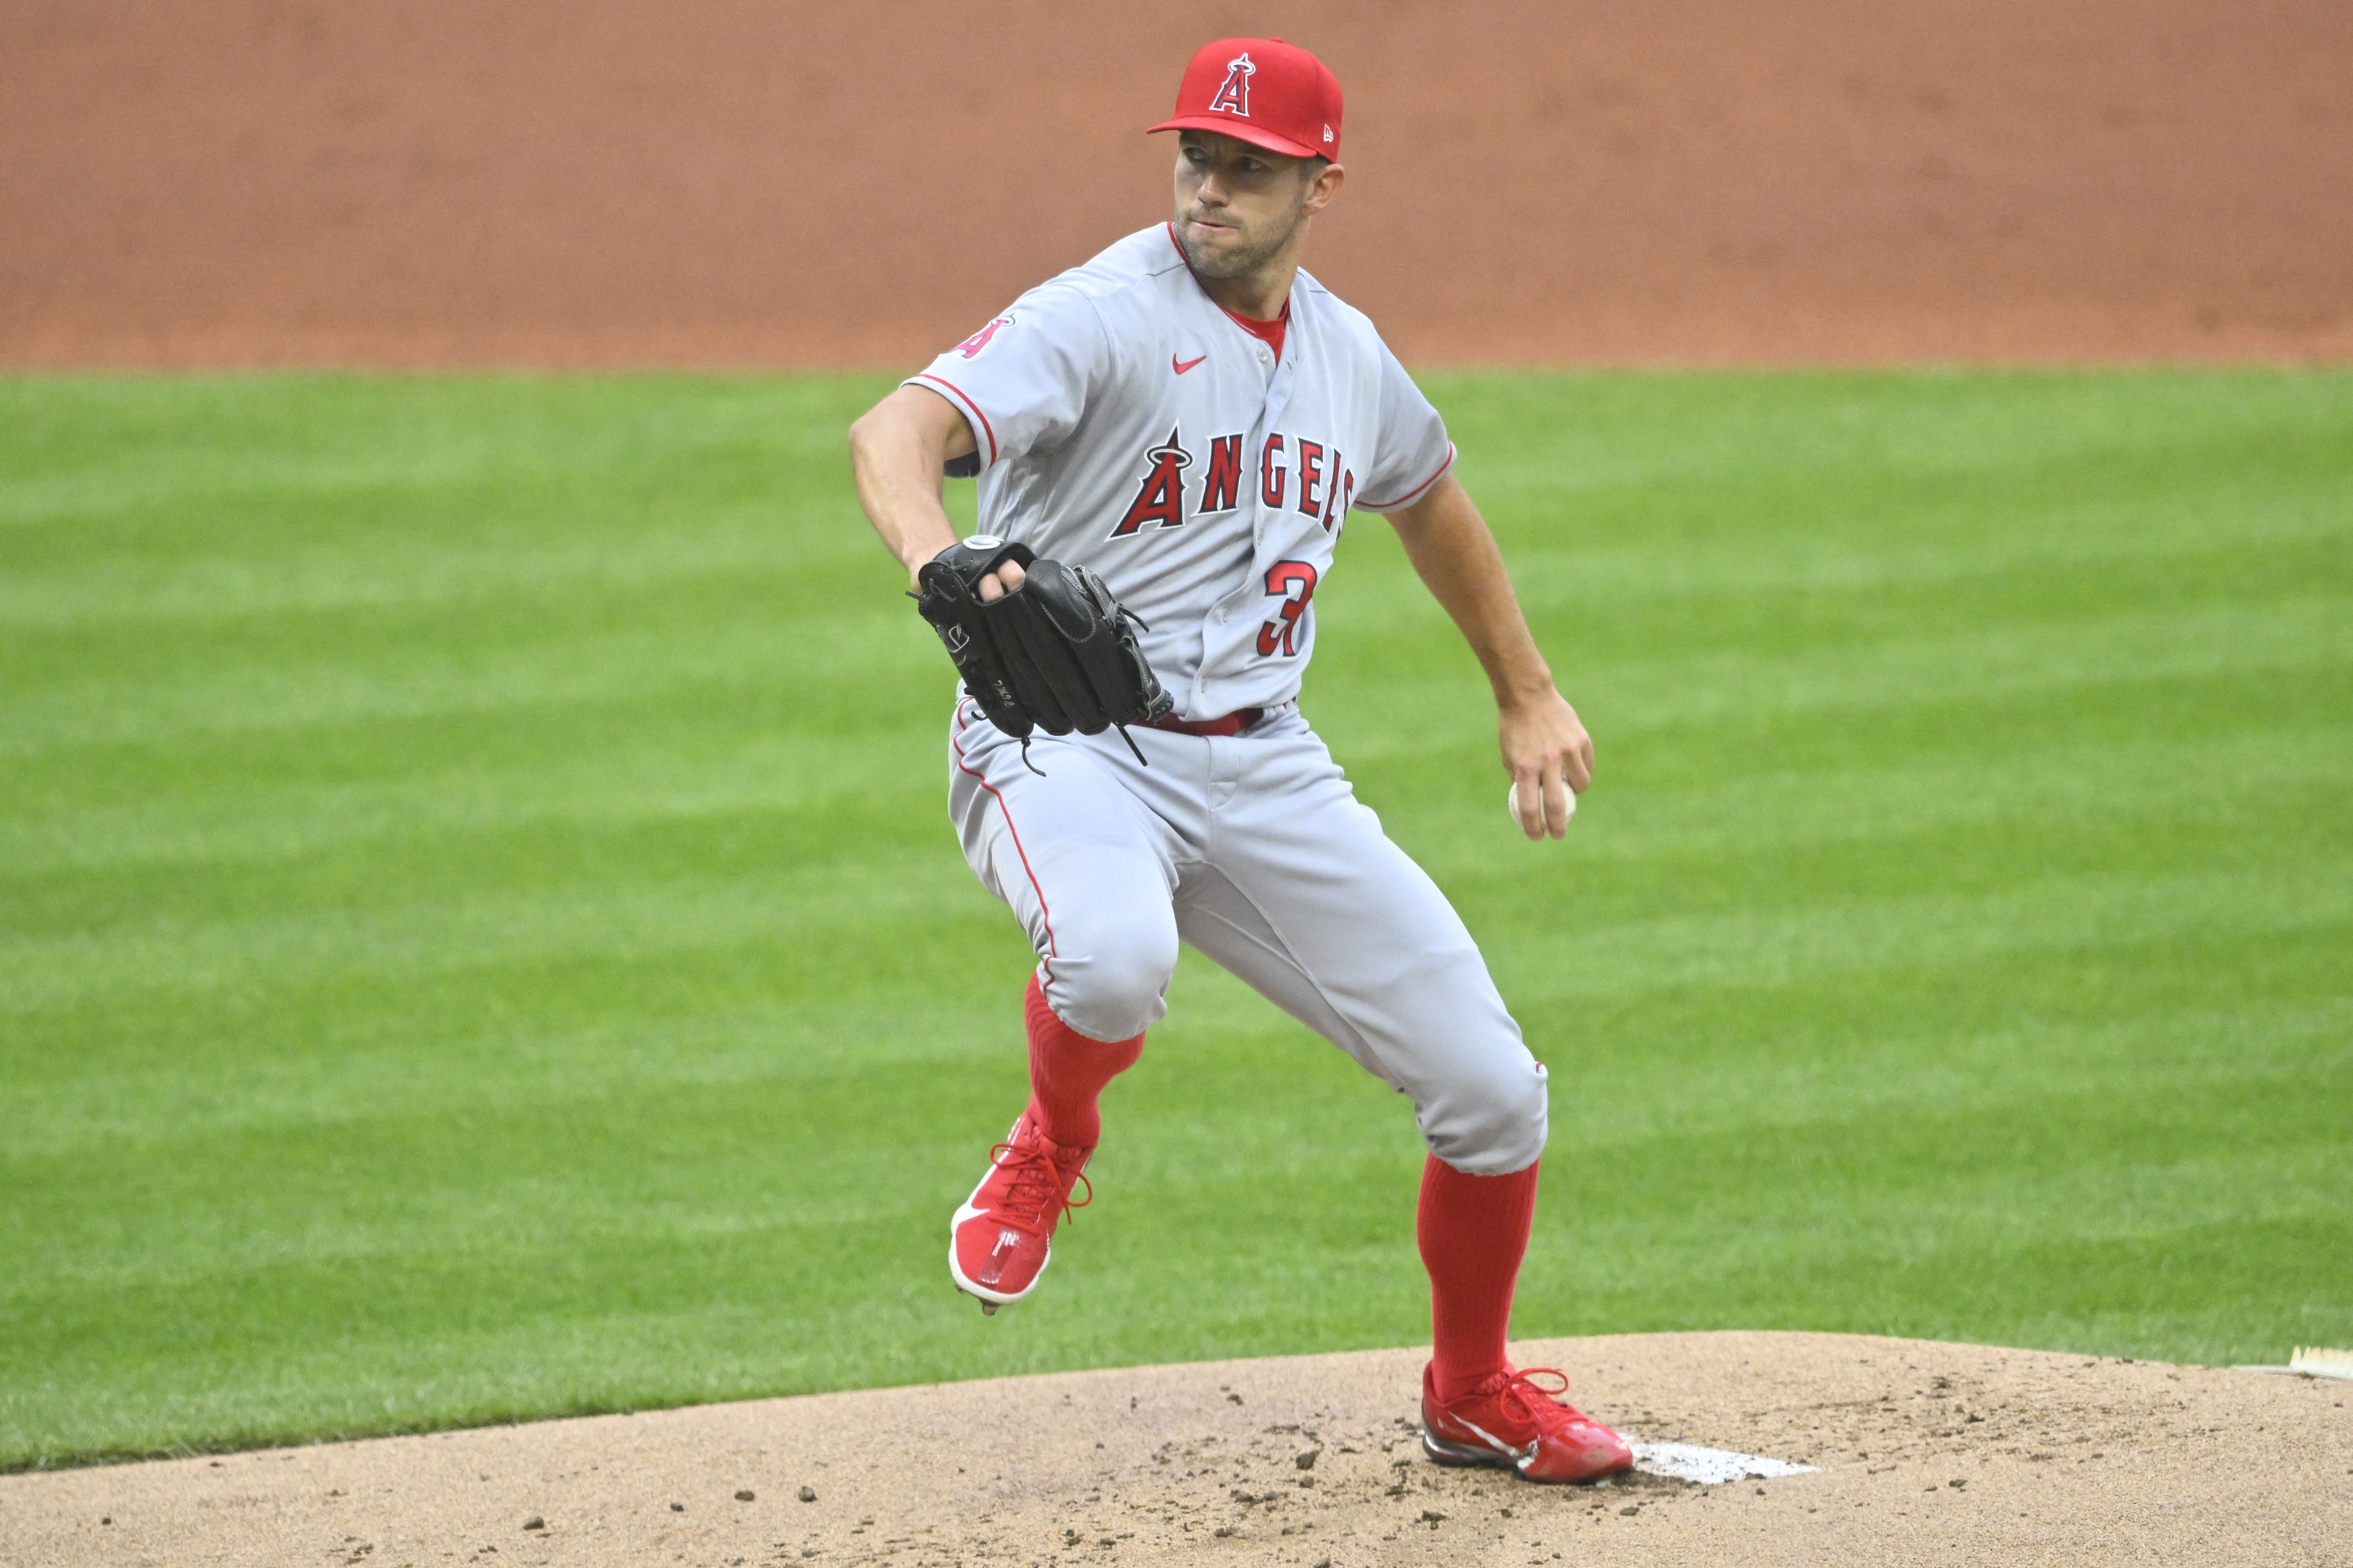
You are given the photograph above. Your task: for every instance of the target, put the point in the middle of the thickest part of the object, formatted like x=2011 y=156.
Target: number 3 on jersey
x=1292 y=581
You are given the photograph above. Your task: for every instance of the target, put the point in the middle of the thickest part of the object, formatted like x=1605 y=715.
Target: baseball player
x=1169 y=440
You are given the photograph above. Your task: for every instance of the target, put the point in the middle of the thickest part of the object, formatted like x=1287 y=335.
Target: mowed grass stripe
x=289 y=669
x=478 y=938
x=1927 y=944
x=649 y=922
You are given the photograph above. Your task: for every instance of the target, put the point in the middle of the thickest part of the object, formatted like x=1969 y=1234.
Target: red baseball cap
x=1263 y=91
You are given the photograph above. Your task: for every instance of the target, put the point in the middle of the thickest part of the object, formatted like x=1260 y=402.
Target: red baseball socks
x=1474 y=1231
x=1067 y=1071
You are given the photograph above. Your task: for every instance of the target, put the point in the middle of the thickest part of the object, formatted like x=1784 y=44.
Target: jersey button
x=1265 y=358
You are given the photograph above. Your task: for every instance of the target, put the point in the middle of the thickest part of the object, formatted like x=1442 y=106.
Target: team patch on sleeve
x=970 y=348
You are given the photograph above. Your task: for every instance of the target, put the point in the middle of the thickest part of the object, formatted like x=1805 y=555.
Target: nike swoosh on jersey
x=1183 y=365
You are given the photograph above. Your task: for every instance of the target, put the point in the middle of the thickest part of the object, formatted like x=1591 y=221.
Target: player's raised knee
x=1110 y=983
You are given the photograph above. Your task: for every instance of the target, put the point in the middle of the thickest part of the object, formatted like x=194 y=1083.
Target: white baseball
x=1512 y=803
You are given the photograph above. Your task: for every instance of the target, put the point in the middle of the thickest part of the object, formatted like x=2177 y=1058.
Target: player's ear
x=1322 y=186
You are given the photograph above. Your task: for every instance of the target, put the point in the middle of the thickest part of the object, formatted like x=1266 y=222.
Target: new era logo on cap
x=1263 y=91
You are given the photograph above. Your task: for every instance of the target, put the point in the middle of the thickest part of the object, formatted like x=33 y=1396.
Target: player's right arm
x=898 y=450
x=1019 y=384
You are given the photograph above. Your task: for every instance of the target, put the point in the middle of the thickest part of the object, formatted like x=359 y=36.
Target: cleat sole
x=1442 y=1452
x=1460 y=1454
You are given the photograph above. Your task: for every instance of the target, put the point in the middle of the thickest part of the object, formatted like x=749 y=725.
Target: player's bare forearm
x=1450 y=546
x=897 y=449
x=1544 y=745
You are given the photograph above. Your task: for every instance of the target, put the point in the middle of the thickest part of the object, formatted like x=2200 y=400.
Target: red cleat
x=1001 y=1240
x=1513 y=1423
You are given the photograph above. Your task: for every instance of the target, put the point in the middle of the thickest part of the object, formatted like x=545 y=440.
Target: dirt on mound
x=726 y=183
x=1924 y=1453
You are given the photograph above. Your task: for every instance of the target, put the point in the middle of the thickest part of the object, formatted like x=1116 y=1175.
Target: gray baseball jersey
x=1126 y=423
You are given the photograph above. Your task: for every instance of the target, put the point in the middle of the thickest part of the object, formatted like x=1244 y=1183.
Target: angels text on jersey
x=1311 y=476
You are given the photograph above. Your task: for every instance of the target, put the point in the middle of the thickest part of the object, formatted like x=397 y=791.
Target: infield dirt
x=1927 y=1452
x=720 y=182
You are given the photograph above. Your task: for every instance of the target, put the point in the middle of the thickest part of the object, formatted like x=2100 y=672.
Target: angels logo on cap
x=1263 y=91
x=1234 y=96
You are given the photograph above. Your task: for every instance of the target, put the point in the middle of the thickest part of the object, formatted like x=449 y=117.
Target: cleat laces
x=1035 y=1198
x=1540 y=1403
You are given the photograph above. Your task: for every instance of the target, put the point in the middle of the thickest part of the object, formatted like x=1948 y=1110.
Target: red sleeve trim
x=1413 y=494
x=987 y=429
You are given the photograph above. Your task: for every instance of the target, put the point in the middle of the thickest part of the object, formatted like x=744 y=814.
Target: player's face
x=1238 y=205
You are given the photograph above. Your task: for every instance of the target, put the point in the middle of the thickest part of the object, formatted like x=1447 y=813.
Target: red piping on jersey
x=1409 y=495
x=1268 y=333
x=1045 y=915
x=985 y=428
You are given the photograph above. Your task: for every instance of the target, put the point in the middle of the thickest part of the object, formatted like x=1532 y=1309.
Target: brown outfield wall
x=699 y=183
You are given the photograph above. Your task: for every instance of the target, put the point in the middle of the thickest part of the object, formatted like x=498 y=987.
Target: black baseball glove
x=1057 y=654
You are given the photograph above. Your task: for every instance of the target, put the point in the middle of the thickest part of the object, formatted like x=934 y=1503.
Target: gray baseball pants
x=1255 y=850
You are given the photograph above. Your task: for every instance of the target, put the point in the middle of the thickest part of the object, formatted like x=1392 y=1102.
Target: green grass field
x=480 y=936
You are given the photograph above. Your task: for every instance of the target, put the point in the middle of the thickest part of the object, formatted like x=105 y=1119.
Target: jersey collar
x=1268 y=333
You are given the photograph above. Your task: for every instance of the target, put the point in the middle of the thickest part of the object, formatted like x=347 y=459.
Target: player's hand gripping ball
x=1512 y=803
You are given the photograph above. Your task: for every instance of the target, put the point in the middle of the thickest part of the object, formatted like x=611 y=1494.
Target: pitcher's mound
x=1924 y=1453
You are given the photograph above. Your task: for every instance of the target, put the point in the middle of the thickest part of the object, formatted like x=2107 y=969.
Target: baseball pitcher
x=1169 y=441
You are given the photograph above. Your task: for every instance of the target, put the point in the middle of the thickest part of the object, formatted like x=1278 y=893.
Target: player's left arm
x=1546 y=748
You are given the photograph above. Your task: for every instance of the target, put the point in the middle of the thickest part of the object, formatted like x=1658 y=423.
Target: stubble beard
x=1247 y=255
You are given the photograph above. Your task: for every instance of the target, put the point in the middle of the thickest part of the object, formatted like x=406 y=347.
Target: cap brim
x=1241 y=130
